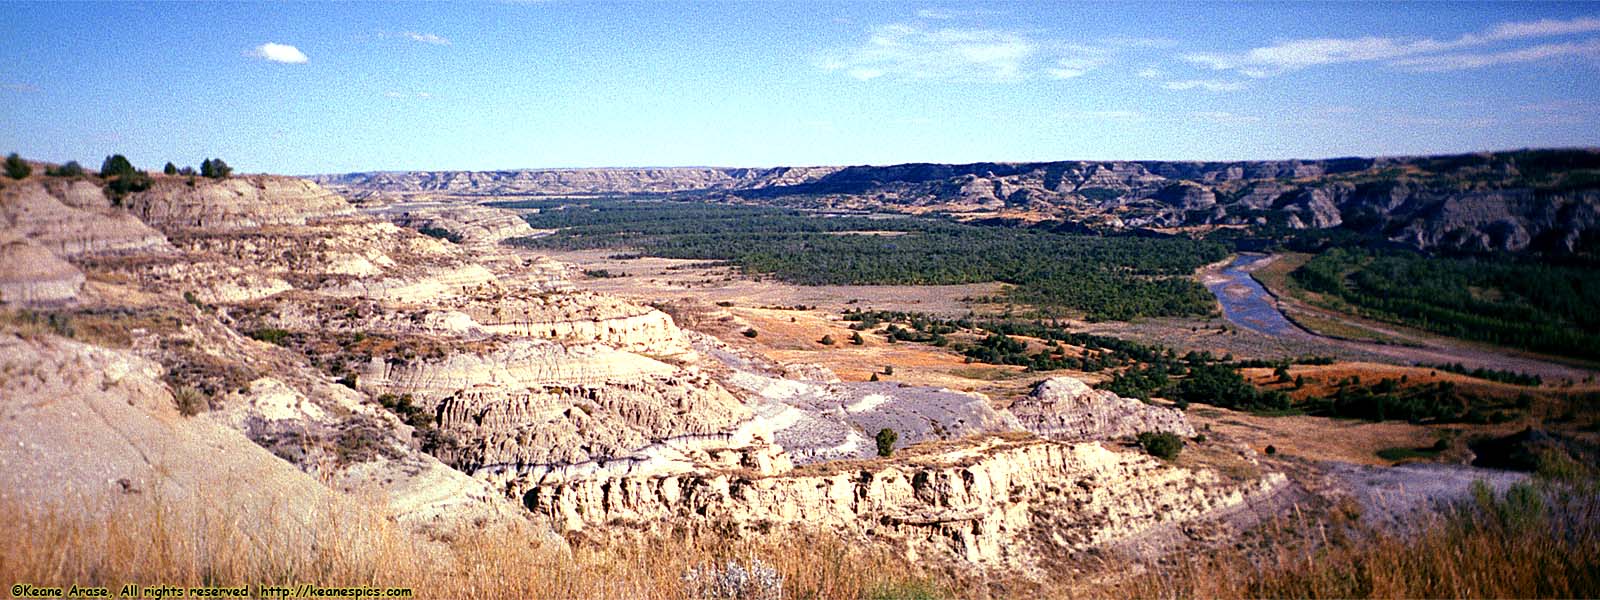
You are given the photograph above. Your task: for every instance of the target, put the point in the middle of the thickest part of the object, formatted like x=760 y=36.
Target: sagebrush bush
x=1161 y=445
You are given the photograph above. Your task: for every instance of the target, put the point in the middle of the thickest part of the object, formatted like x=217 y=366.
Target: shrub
x=16 y=168
x=271 y=335
x=888 y=370
x=116 y=165
x=170 y=169
x=826 y=340
x=886 y=439
x=750 y=333
x=215 y=169
x=444 y=234
x=1163 y=445
x=735 y=581
x=71 y=169
x=855 y=338
x=190 y=401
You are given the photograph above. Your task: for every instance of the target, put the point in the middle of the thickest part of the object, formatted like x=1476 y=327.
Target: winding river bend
x=1245 y=302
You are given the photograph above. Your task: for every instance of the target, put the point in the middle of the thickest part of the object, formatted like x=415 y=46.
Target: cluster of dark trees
x=1388 y=400
x=1104 y=278
x=1503 y=301
x=16 y=168
x=1502 y=376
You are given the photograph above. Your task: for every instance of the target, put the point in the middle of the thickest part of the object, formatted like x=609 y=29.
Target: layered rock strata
x=1065 y=408
x=989 y=502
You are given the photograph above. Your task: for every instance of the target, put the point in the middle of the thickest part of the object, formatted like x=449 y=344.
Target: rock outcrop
x=1001 y=501
x=236 y=203
x=468 y=224
x=79 y=223
x=1064 y=408
x=30 y=275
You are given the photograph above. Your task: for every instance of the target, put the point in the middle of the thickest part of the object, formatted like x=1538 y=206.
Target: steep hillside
x=1539 y=200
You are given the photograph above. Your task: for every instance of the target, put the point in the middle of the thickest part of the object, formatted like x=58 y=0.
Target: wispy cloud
x=25 y=88
x=910 y=52
x=1141 y=42
x=1081 y=61
x=913 y=52
x=403 y=95
x=945 y=14
x=1459 y=61
x=279 y=53
x=1149 y=73
x=426 y=38
x=1210 y=85
x=1425 y=54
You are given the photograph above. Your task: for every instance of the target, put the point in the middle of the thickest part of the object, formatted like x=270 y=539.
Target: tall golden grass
x=1529 y=543
x=1542 y=545
x=147 y=543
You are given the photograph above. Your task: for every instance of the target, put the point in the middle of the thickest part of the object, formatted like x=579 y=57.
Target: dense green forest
x=1502 y=301
x=1104 y=278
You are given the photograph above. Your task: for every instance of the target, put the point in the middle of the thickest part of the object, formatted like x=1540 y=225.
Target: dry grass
x=1510 y=547
x=151 y=543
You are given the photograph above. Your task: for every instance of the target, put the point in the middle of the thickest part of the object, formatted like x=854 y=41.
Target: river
x=1244 y=302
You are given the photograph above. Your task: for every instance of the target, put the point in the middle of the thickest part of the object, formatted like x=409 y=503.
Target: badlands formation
x=259 y=333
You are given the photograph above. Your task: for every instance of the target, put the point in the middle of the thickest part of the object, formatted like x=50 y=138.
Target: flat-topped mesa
x=31 y=276
x=574 y=317
x=989 y=502
x=516 y=431
x=573 y=181
x=244 y=202
x=467 y=224
x=1068 y=409
x=524 y=409
x=73 y=219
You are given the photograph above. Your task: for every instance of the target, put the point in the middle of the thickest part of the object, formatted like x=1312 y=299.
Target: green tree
x=71 y=169
x=215 y=169
x=1163 y=445
x=122 y=178
x=16 y=168
x=115 y=165
x=886 y=439
x=170 y=169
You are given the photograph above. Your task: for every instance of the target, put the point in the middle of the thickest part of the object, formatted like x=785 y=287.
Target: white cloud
x=1210 y=85
x=279 y=53
x=1424 y=54
x=403 y=95
x=1086 y=60
x=1543 y=28
x=1141 y=42
x=426 y=38
x=1150 y=73
x=1459 y=61
x=945 y=14
x=26 y=88
x=910 y=52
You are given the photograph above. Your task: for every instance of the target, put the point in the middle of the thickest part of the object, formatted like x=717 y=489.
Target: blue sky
x=318 y=88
